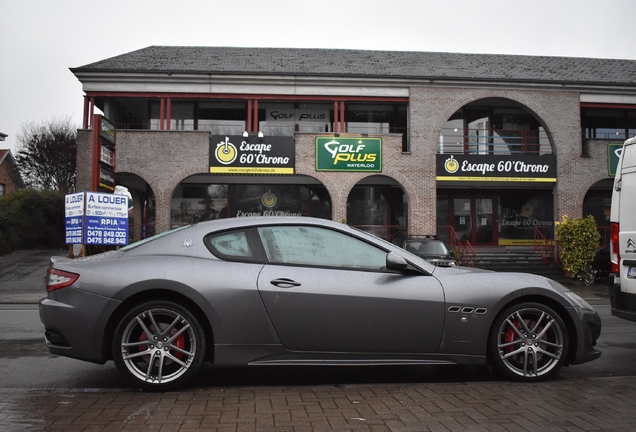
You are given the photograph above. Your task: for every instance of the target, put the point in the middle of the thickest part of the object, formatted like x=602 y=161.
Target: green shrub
x=31 y=219
x=579 y=241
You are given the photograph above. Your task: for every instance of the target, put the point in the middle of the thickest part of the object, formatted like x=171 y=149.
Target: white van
x=623 y=235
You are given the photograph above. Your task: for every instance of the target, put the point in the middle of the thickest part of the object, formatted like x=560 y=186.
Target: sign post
x=103 y=161
x=96 y=218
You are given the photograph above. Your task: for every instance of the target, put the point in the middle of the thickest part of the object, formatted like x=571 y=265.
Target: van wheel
x=160 y=345
x=529 y=342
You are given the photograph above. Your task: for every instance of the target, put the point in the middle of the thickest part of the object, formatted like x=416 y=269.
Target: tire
x=529 y=342
x=171 y=355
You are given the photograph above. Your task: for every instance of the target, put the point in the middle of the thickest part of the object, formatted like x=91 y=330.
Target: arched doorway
x=496 y=172
x=142 y=223
x=378 y=205
x=597 y=203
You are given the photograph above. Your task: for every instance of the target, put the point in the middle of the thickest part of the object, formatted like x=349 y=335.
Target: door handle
x=284 y=283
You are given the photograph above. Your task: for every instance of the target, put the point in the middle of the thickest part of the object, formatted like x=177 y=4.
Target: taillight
x=615 y=256
x=58 y=279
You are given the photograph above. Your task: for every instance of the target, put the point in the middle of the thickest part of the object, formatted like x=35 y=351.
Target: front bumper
x=588 y=332
x=75 y=322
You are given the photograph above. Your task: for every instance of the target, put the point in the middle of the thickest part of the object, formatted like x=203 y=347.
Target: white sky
x=41 y=39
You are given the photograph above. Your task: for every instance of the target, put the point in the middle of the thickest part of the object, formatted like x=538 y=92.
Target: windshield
x=426 y=247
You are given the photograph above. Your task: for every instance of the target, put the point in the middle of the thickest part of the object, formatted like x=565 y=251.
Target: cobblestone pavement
x=607 y=404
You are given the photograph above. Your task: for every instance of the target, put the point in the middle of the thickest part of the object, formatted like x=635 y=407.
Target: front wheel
x=159 y=345
x=529 y=342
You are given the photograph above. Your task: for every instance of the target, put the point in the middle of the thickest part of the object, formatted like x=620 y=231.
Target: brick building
x=489 y=148
x=10 y=179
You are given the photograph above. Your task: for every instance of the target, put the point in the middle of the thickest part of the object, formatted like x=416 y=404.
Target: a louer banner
x=96 y=218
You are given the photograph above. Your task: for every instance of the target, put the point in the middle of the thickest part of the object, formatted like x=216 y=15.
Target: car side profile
x=301 y=291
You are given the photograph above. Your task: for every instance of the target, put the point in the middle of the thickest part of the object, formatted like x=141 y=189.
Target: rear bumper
x=75 y=322
x=623 y=304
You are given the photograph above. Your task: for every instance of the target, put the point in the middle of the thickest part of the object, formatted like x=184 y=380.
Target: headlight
x=577 y=300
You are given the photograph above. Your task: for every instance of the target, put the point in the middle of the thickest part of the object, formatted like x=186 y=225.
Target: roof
x=365 y=63
x=6 y=154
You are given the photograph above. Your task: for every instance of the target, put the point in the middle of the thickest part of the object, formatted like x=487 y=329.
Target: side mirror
x=395 y=262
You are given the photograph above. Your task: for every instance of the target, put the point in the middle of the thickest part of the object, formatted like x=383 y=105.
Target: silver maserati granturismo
x=303 y=291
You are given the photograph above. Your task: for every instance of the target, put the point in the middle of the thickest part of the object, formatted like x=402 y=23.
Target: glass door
x=474 y=220
x=484 y=221
x=462 y=220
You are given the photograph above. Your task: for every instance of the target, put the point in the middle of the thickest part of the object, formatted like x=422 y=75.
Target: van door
x=623 y=217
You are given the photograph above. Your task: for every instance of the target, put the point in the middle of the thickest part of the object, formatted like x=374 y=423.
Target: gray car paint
x=254 y=322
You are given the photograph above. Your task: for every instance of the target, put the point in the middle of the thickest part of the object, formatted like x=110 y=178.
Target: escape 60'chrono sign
x=252 y=155
x=496 y=168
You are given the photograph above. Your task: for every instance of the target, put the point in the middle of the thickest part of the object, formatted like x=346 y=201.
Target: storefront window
x=195 y=202
x=608 y=124
x=380 y=210
x=500 y=217
x=377 y=118
x=221 y=118
x=524 y=212
x=182 y=116
x=284 y=119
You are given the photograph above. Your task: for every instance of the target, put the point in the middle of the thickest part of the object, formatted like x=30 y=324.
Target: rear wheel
x=529 y=342
x=160 y=345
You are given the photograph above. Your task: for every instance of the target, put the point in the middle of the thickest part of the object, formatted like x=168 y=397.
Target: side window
x=315 y=246
x=235 y=246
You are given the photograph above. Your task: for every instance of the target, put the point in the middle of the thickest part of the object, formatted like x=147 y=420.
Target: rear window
x=236 y=245
x=154 y=237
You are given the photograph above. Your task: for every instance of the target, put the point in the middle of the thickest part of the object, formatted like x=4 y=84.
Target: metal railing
x=463 y=250
x=544 y=246
x=550 y=250
x=494 y=141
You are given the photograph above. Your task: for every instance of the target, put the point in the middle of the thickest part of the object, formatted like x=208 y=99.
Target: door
x=483 y=229
x=474 y=219
x=327 y=291
x=623 y=201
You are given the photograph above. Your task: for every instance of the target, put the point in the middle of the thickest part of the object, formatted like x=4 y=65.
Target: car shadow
x=342 y=375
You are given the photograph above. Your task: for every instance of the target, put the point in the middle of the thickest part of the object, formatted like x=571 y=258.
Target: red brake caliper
x=179 y=342
x=510 y=336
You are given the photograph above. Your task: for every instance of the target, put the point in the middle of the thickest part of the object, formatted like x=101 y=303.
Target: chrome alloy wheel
x=532 y=342
x=158 y=346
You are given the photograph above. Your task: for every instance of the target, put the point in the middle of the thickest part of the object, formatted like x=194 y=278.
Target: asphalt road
x=25 y=362
x=22 y=275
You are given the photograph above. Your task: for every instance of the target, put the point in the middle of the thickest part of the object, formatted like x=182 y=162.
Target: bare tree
x=46 y=154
